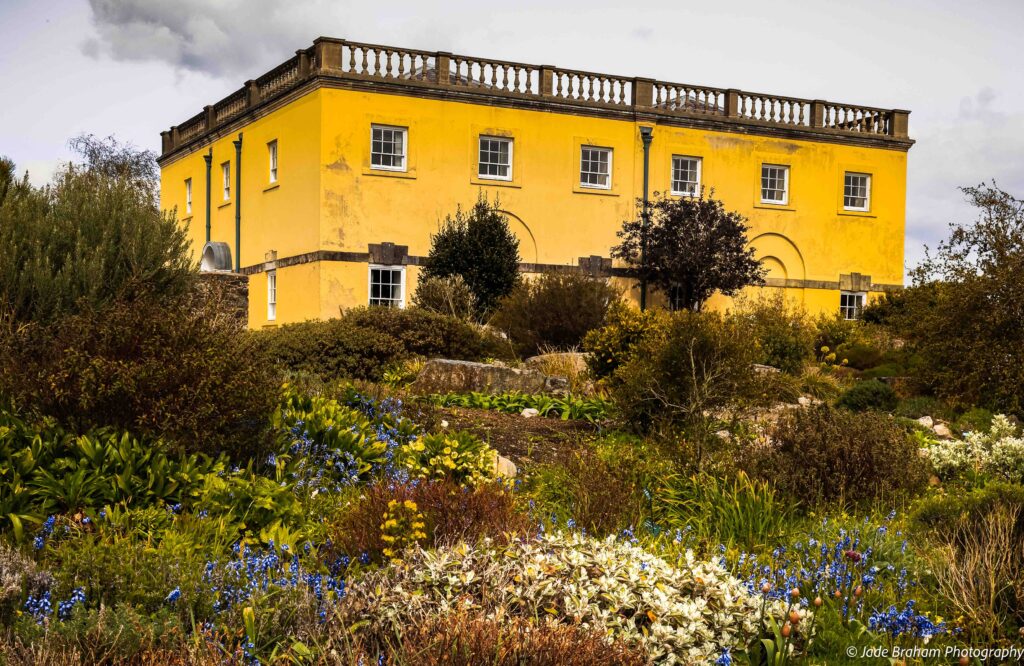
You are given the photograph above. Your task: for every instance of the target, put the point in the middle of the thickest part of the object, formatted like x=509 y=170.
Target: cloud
x=979 y=143
x=228 y=38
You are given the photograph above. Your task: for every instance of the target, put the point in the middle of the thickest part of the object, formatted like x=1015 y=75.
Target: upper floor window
x=225 y=170
x=685 y=175
x=596 y=167
x=851 y=303
x=495 y=158
x=271 y=295
x=388 y=147
x=387 y=286
x=188 y=196
x=857 y=191
x=774 y=184
x=272 y=157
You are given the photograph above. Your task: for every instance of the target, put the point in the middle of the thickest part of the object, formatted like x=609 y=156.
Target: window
x=271 y=295
x=272 y=156
x=675 y=298
x=856 y=191
x=387 y=286
x=685 y=175
x=388 y=147
x=851 y=303
x=596 y=167
x=774 y=184
x=188 y=196
x=495 y=158
x=225 y=170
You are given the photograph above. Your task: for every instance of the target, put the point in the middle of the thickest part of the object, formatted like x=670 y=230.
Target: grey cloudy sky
x=132 y=68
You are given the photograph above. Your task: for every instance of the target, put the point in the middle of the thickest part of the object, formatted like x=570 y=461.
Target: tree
x=694 y=248
x=962 y=315
x=479 y=246
x=95 y=234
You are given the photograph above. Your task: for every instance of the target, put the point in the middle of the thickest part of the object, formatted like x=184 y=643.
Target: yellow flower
x=409 y=504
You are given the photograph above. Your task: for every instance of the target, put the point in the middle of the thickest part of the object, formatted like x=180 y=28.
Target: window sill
x=388 y=173
x=771 y=206
x=272 y=324
x=273 y=186
x=579 y=189
x=224 y=204
x=856 y=213
x=496 y=182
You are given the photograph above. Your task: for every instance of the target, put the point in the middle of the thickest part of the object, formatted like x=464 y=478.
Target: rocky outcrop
x=445 y=376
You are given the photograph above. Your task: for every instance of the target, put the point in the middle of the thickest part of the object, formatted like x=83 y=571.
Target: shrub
x=458 y=639
x=183 y=372
x=445 y=295
x=451 y=514
x=612 y=345
x=691 y=612
x=917 y=406
x=784 y=333
x=556 y=311
x=461 y=457
x=364 y=342
x=820 y=383
x=833 y=330
x=860 y=355
x=998 y=452
x=95 y=235
x=976 y=418
x=869 y=395
x=690 y=366
x=478 y=246
x=820 y=454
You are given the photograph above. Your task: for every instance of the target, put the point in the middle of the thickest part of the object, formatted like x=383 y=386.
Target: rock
x=444 y=423
x=724 y=435
x=529 y=413
x=942 y=430
x=926 y=421
x=576 y=362
x=445 y=376
x=803 y=401
x=504 y=467
x=762 y=369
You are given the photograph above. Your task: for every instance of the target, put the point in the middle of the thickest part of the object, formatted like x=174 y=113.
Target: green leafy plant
x=568 y=408
x=869 y=395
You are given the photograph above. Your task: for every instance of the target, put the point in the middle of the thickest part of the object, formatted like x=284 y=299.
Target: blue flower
x=173 y=596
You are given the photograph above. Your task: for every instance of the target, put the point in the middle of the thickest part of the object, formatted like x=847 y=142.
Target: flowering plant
x=459 y=456
x=999 y=452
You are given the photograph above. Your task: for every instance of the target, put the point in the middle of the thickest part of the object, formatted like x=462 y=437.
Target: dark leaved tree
x=695 y=247
x=479 y=246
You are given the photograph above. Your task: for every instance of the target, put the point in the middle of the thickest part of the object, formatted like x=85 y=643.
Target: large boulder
x=444 y=376
x=575 y=362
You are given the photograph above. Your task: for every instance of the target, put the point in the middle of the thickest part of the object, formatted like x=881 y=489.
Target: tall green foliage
x=94 y=234
x=478 y=245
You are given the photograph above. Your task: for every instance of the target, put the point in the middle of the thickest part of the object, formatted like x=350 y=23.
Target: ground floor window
x=271 y=295
x=387 y=286
x=851 y=303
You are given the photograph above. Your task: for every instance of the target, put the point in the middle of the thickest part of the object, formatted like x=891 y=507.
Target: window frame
x=272 y=160
x=479 y=164
x=867 y=191
x=225 y=170
x=611 y=156
x=188 y=196
x=272 y=295
x=699 y=172
x=400 y=301
x=785 y=184
x=856 y=309
x=405 y=147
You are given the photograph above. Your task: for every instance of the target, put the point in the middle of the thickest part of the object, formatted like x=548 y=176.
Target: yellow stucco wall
x=328 y=198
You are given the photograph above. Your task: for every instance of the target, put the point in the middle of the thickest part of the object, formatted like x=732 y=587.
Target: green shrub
x=820 y=383
x=833 y=330
x=871 y=394
x=686 y=368
x=478 y=246
x=784 y=333
x=364 y=342
x=921 y=405
x=976 y=419
x=94 y=235
x=937 y=514
x=182 y=371
x=612 y=345
x=567 y=408
x=860 y=355
x=555 y=311
x=820 y=454
x=459 y=457
x=445 y=295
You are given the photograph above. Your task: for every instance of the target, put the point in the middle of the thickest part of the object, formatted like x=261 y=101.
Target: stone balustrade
x=442 y=71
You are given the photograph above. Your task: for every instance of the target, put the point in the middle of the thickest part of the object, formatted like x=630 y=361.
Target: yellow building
x=351 y=154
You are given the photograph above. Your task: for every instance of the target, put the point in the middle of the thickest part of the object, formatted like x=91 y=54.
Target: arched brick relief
x=781 y=256
x=527 y=242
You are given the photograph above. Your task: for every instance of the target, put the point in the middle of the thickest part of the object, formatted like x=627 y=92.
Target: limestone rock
x=926 y=421
x=529 y=413
x=942 y=430
x=445 y=376
x=504 y=467
x=762 y=369
x=803 y=401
